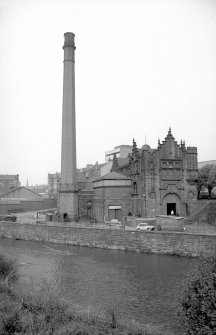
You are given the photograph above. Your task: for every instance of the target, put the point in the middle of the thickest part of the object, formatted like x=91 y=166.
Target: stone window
x=135 y=187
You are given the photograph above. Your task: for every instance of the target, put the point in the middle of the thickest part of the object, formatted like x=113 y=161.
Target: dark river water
x=140 y=287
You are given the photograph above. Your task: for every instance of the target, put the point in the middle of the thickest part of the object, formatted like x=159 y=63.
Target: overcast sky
x=141 y=67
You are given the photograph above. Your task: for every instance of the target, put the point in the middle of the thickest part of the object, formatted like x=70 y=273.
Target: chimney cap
x=69 y=40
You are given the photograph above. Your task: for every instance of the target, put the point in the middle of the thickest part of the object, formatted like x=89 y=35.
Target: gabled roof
x=19 y=188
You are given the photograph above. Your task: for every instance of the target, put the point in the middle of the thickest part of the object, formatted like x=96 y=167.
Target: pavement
x=31 y=218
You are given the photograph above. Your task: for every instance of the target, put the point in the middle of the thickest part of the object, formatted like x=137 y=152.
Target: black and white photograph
x=108 y=167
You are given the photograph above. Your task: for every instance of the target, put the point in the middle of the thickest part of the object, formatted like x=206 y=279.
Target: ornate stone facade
x=163 y=179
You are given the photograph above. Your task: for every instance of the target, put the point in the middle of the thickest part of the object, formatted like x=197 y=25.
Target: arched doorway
x=171 y=204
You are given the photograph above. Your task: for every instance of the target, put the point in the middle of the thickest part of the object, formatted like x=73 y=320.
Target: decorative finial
x=115 y=163
x=134 y=143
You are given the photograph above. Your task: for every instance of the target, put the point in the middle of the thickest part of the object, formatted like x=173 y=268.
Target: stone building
x=149 y=182
x=112 y=197
x=163 y=179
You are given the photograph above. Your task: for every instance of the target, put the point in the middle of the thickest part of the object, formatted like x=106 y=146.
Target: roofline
x=18 y=188
x=103 y=177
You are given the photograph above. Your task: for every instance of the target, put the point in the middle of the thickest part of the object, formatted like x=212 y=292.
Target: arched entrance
x=171 y=204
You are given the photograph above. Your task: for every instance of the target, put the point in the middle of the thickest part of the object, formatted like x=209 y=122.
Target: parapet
x=191 y=150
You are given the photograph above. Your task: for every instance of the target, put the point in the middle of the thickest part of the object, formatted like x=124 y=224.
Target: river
x=139 y=287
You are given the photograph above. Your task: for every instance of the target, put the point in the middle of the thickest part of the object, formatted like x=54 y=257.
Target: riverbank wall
x=158 y=242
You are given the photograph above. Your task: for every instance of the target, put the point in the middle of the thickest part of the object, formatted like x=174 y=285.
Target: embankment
x=168 y=243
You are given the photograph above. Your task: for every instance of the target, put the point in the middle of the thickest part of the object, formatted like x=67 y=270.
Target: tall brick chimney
x=68 y=191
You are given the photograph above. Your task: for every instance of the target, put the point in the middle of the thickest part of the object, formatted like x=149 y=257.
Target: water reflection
x=139 y=286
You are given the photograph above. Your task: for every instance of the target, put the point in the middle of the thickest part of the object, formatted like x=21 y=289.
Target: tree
x=198 y=301
x=206 y=178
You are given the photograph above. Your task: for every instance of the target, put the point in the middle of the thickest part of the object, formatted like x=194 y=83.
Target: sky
x=142 y=66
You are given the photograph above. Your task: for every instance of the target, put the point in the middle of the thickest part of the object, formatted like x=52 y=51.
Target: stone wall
x=85 y=203
x=168 y=221
x=26 y=206
x=205 y=212
x=117 y=195
x=147 y=242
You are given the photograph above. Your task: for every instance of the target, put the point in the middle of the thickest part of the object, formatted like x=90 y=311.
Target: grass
x=8 y=270
x=39 y=311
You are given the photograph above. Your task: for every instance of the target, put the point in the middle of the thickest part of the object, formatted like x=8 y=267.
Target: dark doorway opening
x=114 y=214
x=171 y=208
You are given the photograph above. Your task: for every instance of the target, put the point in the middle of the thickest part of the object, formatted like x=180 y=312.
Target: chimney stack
x=68 y=191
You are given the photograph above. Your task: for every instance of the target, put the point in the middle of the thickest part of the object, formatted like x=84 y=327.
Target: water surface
x=140 y=287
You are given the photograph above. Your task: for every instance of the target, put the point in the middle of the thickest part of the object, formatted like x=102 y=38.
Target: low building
x=40 y=189
x=21 y=199
x=112 y=197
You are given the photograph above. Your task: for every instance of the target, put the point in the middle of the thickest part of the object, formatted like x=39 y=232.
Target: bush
x=41 y=312
x=198 y=301
x=8 y=270
x=34 y=312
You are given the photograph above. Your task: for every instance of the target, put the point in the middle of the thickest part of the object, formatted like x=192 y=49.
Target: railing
x=207 y=197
